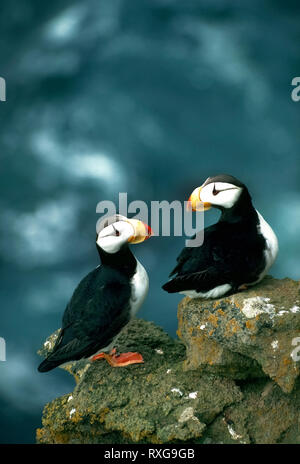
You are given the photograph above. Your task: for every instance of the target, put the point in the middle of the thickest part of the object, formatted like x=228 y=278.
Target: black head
x=226 y=179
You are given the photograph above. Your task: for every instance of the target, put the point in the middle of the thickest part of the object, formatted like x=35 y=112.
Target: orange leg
x=120 y=360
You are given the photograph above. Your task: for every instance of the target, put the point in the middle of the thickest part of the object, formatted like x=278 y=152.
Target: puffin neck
x=242 y=211
x=123 y=260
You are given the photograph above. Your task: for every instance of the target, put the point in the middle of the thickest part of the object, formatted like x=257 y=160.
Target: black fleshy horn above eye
x=116 y=231
x=215 y=191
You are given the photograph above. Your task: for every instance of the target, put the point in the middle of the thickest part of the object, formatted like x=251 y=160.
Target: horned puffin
x=237 y=251
x=105 y=300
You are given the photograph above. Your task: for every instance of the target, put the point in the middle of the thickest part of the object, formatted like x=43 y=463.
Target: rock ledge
x=231 y=378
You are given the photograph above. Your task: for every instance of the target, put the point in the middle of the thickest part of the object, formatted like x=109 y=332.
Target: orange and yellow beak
x=141 y=231
x=195 y=203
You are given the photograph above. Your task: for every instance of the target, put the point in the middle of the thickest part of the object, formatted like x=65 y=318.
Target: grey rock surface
x=230 y=379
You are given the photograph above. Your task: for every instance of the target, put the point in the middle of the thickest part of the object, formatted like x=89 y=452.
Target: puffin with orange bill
x=105 y=300
x=237 y=251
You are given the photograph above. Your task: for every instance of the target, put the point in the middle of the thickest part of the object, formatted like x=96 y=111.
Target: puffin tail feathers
x=170 y=286
x=48 y=365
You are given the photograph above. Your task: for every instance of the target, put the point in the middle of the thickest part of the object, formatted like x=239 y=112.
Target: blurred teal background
x=148 y=97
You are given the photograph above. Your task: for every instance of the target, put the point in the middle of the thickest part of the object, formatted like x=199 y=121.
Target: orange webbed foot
x=103 y=355
x=120 y=360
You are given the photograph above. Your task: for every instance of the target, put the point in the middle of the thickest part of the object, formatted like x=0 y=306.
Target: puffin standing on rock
x=105 y=300
x=237 y=251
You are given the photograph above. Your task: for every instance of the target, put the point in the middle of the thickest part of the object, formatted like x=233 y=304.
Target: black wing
x=194 y=267
x=228 y=255
x=97 y=311
x=201 y=281
x=194 y=259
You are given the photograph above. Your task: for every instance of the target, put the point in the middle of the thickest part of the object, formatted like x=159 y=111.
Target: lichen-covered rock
x=160 y=402
x=246 y=335
x=154 y=402
x=265 y=415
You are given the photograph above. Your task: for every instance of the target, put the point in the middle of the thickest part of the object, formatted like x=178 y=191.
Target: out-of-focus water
x=138 y=96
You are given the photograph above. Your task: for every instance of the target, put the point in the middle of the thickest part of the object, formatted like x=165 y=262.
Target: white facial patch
x=220 y=194
x=112 y=237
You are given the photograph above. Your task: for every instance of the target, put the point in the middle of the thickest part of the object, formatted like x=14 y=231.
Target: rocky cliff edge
x=231 y=378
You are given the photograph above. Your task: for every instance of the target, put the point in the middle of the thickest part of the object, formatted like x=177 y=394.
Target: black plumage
x=233 y=251
x=97 y=311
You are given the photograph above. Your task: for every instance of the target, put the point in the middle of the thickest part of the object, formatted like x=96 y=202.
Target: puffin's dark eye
x=215 y=191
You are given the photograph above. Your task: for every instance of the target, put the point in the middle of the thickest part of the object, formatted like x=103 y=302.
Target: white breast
x=216 y=292
x=271 y=249
x=270 y=252
x=140 y=286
